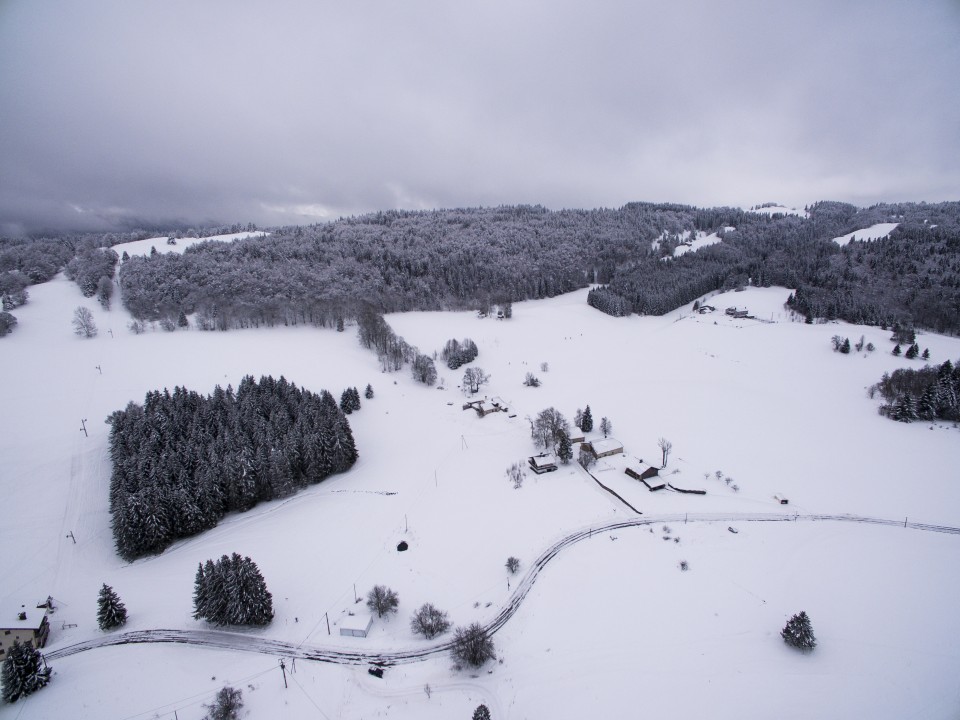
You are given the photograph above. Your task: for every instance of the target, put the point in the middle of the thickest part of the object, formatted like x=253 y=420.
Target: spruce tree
x=587 y=422
x=368 y=394
x=897 y=350
x=798 y=632
x=345 y=403
x=565 y=449
x=912 y=352
x=926 y=354
x=481 y=713
x=24 y=672
x=111 y=612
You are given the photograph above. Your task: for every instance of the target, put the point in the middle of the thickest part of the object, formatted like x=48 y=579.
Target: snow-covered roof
x=542 y=460
x=603 y=445
x=358 y=621
x=10 y=617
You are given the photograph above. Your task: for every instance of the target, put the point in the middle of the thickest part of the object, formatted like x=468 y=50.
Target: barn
x=357 y=625
x=648 y=475
x=605 y=447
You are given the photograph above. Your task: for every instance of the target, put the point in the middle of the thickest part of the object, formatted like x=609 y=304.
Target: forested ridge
x=182 y=460
x=475 y=257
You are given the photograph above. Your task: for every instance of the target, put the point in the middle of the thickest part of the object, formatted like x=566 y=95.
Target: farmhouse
x=648 y=475
x=356 y=625
x=543 y=463
x=485 y=407
x=604 y=447
x=28 y=626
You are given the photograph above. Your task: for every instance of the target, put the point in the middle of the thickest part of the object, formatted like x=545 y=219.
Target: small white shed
x=357 y=625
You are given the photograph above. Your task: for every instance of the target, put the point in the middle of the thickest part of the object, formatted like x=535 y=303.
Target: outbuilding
x=648 y=475
x=23 y=624
x=356 y=625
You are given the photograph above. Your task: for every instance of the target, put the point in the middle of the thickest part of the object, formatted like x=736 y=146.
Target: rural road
x=225 y=640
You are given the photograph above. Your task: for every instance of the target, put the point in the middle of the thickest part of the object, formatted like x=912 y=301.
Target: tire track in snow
x=226 y=640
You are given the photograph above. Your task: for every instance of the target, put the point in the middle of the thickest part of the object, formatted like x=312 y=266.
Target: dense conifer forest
x=182 y=460
x=475 y=258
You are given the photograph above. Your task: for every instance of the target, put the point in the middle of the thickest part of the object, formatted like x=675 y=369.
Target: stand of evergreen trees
x=231 y=591
x=930 y=393
x=182 y=460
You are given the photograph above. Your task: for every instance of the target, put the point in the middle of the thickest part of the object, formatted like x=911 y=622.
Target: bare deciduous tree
x=606 y=427
x=549 y=427
x=83 y=324
x=516 y=473
x=665 y=447
x=472 y=646
x=473 y=378
x=429 y=621
x=382 y=600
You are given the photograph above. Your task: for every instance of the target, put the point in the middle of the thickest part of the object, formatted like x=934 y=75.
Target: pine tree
x=24 y=672
x=368 y=394
x=565 y=449
x=481 y=713
x=926 y=354
x=232 y=592
x=912 y=352
x=798 y=632
x=111 y=612
x=845 y=346
x=904 y=409
x=897 y=350
x=587 y=422
x=345 y=405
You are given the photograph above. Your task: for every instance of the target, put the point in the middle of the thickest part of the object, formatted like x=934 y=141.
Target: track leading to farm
x=225 y=640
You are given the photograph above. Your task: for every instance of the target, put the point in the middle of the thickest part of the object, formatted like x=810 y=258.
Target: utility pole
x=83 y=426
x=355 y=592
x=406 y=527
x=327 y=616
x=70 y=535
x=283 y=669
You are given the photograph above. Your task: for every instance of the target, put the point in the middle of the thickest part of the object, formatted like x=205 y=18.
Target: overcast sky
x=202 y=111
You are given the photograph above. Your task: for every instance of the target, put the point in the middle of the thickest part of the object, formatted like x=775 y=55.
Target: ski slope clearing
x=777 y=210
x=692 y=244
x=144 y=247
x=612 y=623
x=874 y=232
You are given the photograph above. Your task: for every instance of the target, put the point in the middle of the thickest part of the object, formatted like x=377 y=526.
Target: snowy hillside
x=692 y=244
x=776 y=209
x=162 y=244
x=611 y=621
x=874 y=232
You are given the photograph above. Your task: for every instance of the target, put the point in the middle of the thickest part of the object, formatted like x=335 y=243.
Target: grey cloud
x=298 y=111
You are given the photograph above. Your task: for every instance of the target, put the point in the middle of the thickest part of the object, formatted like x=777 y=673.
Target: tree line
x=182 y=460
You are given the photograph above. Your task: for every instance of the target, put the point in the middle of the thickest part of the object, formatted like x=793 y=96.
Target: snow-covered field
x=612 y=628
x=144 y=247
x=874 y=232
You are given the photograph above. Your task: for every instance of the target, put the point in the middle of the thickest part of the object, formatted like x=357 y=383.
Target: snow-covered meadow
x=612 y=627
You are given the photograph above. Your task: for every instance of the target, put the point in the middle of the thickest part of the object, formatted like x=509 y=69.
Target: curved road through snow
x=219 y=639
